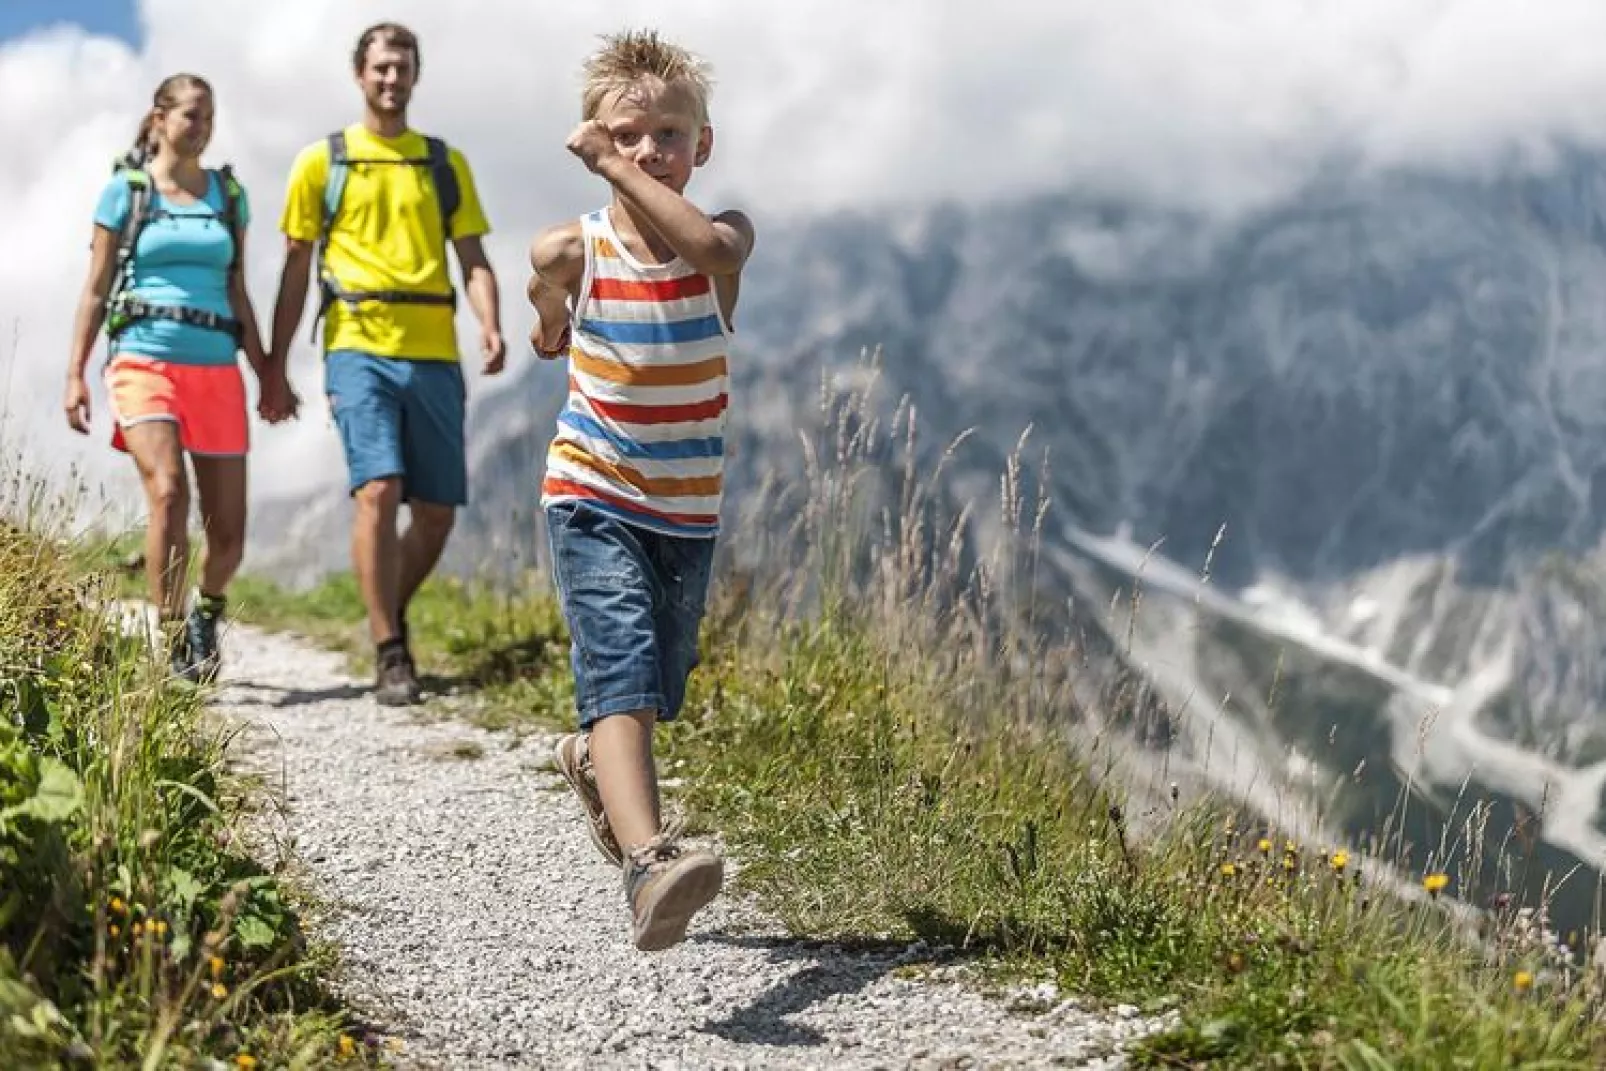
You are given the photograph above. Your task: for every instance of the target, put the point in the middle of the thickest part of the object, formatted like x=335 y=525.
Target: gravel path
x=476 y=923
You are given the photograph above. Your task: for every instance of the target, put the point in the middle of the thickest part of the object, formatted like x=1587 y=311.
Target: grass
x=509 y=651
x=134 y=929
x=890 y=739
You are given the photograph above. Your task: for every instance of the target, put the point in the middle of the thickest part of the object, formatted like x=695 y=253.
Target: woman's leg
x=221 y=484
x=160 y=459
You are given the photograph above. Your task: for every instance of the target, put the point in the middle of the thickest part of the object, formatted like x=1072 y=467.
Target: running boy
x=640 y=296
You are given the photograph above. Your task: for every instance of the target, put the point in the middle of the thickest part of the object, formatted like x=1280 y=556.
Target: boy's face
x=658 y=127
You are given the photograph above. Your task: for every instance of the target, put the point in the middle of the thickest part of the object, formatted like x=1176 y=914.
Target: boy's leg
x=605 y=586
x=627 y=779
x=612 y=582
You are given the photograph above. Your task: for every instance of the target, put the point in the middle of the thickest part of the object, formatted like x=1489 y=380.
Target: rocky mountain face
x=1374 y=418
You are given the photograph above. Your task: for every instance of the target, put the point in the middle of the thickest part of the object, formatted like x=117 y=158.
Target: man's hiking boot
x=666 y=884
x=397 y=685
x=200 y=629
x=572 y=756
x=406 y=642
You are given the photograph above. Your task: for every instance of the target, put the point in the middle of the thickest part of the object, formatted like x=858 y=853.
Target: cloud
x=1216 y=104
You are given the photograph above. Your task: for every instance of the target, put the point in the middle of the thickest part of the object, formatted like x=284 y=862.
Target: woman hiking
x=165 y=279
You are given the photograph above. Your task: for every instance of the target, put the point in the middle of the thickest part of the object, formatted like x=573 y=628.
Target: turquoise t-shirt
x=182 y=259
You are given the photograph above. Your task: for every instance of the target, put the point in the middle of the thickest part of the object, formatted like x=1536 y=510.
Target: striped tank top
x=642 y=433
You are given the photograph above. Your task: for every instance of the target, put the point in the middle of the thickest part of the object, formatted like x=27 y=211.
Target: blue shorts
x=401 y=418
x=633 y=599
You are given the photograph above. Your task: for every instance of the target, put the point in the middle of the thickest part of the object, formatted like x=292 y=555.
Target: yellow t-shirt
x=386 y=236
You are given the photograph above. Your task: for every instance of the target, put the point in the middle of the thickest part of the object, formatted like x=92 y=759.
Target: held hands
x=279 y=401
x=77 y=404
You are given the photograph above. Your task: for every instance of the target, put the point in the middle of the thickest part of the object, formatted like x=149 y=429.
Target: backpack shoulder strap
x=447 y=191
x=334 y=186
x=139 y=210
x=233 y=195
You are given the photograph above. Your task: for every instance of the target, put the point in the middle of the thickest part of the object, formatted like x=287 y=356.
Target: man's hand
x=493 y=347
x=592 y=142
x=77 y=404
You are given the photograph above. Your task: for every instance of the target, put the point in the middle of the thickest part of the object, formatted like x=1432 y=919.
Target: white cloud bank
x=819 y=105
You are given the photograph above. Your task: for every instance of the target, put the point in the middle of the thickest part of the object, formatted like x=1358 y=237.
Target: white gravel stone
x=476 y=924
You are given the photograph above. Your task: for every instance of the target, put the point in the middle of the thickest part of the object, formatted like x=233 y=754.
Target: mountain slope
x=1378 y=412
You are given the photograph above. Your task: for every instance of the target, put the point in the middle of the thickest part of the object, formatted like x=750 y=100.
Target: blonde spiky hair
x=632 y=57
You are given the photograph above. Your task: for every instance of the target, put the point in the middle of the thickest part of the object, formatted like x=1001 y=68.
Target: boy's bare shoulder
x=559 y=250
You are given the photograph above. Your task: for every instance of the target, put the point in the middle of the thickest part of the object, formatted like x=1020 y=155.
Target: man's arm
x=292 y=300
x=557 y=263
x=480 y=282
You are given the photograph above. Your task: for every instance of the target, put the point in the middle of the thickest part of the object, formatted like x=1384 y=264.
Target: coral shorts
x=207 y=402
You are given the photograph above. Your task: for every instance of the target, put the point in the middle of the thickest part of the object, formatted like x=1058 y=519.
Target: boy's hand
x=592 y=142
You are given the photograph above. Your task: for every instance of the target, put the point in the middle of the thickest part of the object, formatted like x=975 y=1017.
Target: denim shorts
x=401 y=418
x=633 y=599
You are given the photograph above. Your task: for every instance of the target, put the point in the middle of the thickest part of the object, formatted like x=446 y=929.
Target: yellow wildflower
x=138 y=929
x=219 y=990
x=160 y=927
x=1228 y=870
x=216 y=963
x=114 y=930
x=1289 y=862
x=1340 y=860
x=348 y=1048
x=1435 y=883
x=1524 y=981
x=117 y=905
x=245 y=1061
x=1290 y=847
x=1264 y=845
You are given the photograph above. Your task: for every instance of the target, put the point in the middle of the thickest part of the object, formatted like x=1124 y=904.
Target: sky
x=819 y=105
x=114 y=17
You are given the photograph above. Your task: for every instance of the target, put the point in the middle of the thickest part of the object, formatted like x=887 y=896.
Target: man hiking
x=371 y=210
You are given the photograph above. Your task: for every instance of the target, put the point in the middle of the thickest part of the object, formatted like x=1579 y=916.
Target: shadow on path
x=832 y=969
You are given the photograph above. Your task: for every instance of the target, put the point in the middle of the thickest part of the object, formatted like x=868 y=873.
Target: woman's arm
x=87 y=322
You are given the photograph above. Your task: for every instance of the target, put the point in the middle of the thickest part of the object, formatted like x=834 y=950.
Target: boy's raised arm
x=717 y=246
x=557 y=263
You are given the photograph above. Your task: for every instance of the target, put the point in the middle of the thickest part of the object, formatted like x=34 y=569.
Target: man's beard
x=381 y=107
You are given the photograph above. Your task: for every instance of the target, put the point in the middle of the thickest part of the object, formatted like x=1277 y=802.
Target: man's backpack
x=447 y=194
x=123 y=308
